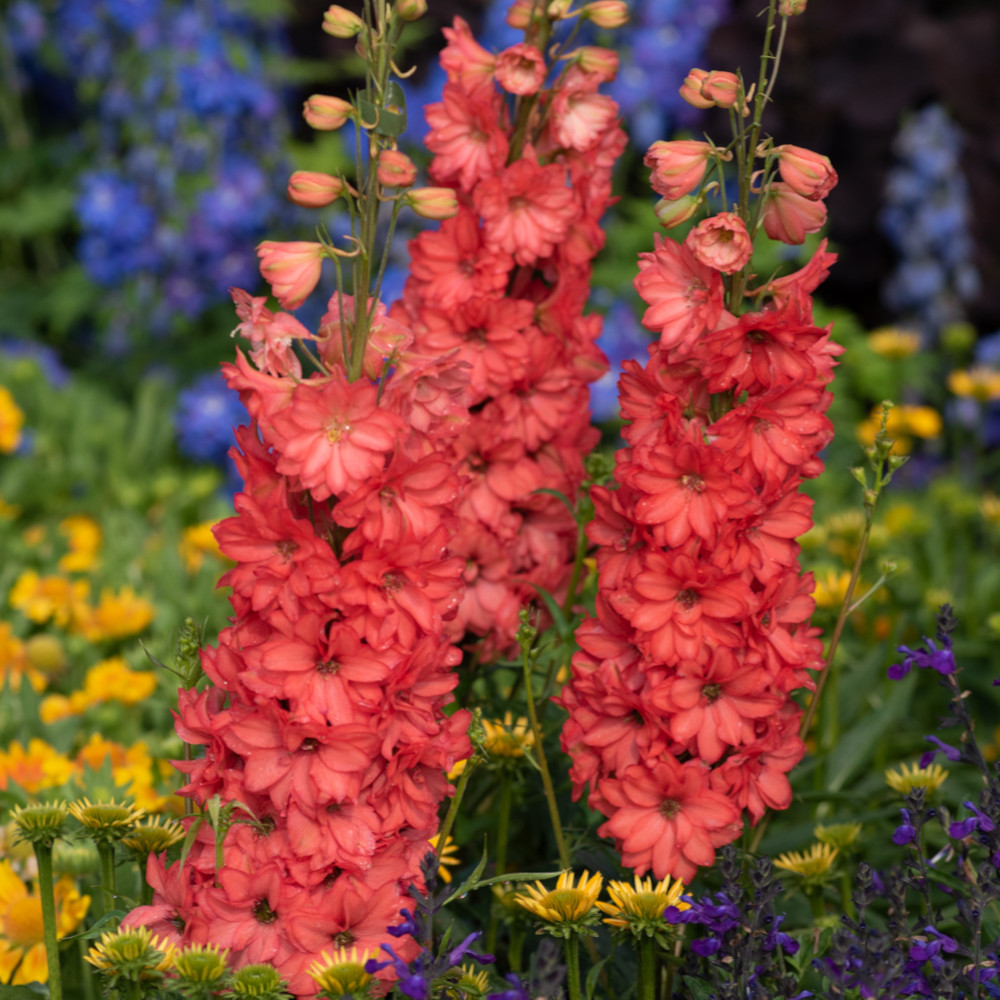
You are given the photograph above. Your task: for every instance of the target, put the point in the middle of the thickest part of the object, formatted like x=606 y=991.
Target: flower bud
x=342 y=23
x=721 y=242
x=805 y=172
x=433 y=203
x=673 y=213
x=789 y=8
x=607 y=13
x=691 y=89
x=678 y=166
x=411 y=10
x=721 y=88
x=788 y=216
x=519 y=14
x=395 y=169
x=326 y=113
x=291 y=269
x=311 y=189
x=558 y=9
x=597 y=59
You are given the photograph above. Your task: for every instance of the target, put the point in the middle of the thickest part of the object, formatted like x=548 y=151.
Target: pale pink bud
x=721 y=242
x=342 y=23
x=520 y=69
x=673 y=213
x=788 y=216
x=314 y=190
x=595 y=59
x=326 y=113
x=805 y=172
x=678 y=166
x=395 y=169
x=691 y=89
x=721 y=88
x=411 y=10
x=519 y=14
x=789 y=8
x=558 y=9
x=291 y=269
x=607 y=13
x=433 y=203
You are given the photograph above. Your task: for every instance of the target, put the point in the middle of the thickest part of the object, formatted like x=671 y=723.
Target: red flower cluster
x=501 y=287
x=325 y=716
x=680 y=708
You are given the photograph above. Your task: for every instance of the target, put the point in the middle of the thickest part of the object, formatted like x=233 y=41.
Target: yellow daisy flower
x=342 y=972
x=639 y=907
x=35 y=768
x=11 y=422
x=196 y=543
x=567 y=904
x=909 y=776
x=84 y=539
x=893 y=343
x=117 y=615
x=811 y=865
x=981 y=383
x=508 y=738
x=449 y=856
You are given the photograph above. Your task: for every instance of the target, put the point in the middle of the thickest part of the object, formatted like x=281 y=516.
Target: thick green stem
x=503 y=836
x=516 y=948
x=647 y=969
x=543 y=765
x=86 y=970
x=456 y=801
x=46 y=892
x=573 y=968
x=106 y=853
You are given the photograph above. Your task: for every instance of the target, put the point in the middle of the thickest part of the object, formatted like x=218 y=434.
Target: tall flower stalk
x=325 y=745
x=681 y=709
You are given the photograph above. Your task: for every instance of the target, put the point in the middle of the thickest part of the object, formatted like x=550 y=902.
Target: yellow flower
x=565 y=904
x=106 y=821
x=132 y=768
x=981 y=383
x=116 y=616
x=40 y=766
x=342 y=972
x=11 y=421
x=83 y=536
x=831 y=589
x=133 y=950
x=476 y=983
x=22 y=941
x=41 y=598
x=449 y=856
x=640 y=907
x=508 y=738
x=9 y=511
x=200 y=963
x=893 y=343
x=14 y=662
x=909 y=776
x=112 y=680
x=990 y=508
x=198 y=542
x=810 y=865
x=838 y=835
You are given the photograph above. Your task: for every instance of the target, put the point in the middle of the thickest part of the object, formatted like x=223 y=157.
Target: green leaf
x=471 y=882
x=590 y=984
x=699 y=989
x=855 y=747
x=37 y=210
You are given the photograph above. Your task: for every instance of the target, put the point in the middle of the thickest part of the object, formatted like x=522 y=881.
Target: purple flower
x=950 y=752
x=966 y=827
x=518 y=991
x=905 y=833
x=942 y=660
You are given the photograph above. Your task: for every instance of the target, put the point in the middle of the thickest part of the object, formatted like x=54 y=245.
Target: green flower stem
x=86 y=970
x=503 y=836
x=515 y=949
x=106 y=853
x=573 y=967
x=43 y=853
x=456 y=801
x=543 y=765
x=647 y=968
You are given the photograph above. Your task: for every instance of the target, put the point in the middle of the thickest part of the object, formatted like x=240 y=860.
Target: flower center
x=688 y=598
x=263 y=912
x=712 y=692
x=327 y=667
x=669 y=808
x=693 y=482
x=335 y=430
x=344 y=939
x=308 y=745
x=286 y=547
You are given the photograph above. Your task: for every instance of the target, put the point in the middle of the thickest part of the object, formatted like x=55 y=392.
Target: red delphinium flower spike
x=680 y=708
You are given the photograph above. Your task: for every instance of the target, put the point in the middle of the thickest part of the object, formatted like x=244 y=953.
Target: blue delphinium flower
x=926 y=218
x=622 y=339
x=207 y=411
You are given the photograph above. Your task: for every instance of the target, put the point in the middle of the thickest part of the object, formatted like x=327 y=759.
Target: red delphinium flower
x=668 y=817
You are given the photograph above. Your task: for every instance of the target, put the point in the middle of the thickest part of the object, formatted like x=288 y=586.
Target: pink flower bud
x=678 y=166
x=673 y=213
x=557 y=10
x=788 y=216
x=721 y=242
x=411 y=10
x=433 y=203
x=721 y=88
x=596 y=59
x=607 y=13
x=342 y=23
x=395 y=169
x=291 y=269
x=519 y=14
x=789 y=8
x=691 y=89
x=805 y=172
x=314 y=190
x=520 y=69
x=326 y=113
